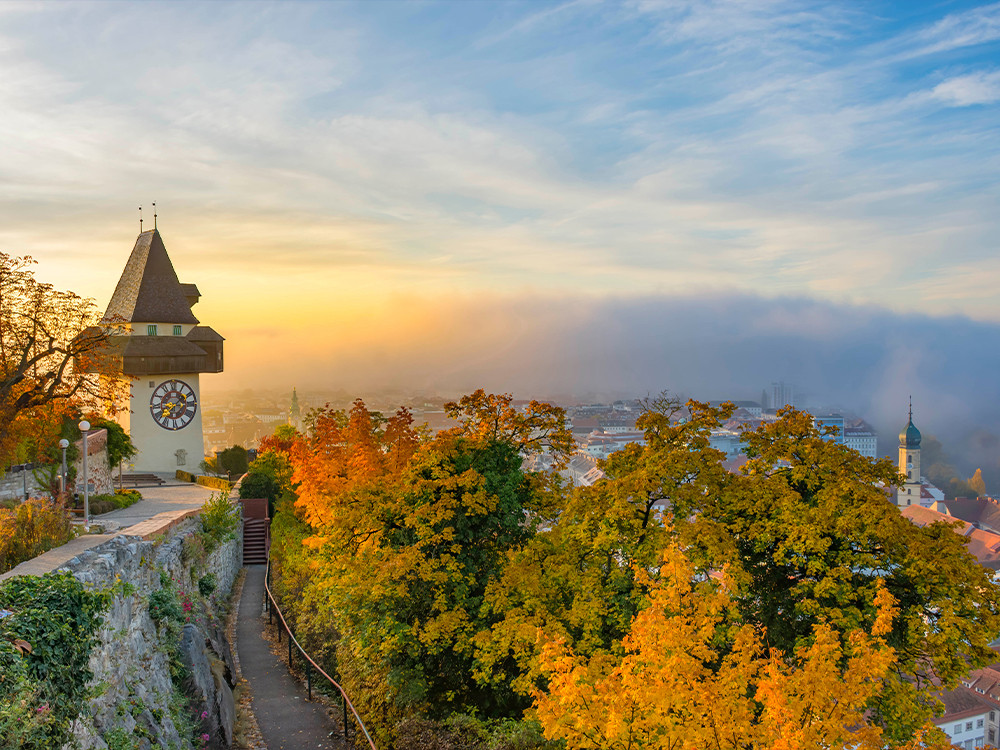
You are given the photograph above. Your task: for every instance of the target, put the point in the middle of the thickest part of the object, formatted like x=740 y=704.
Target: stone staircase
x=255 y=540
x=137 y=479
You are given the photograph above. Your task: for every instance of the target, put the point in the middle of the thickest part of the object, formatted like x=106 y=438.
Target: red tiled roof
x=962 y=703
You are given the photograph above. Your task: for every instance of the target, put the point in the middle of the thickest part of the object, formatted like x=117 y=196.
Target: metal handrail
x=273 y=604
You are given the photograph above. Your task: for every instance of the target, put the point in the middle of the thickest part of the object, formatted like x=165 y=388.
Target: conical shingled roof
x=148 y=291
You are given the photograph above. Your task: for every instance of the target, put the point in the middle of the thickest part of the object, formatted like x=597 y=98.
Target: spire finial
x=154 y=214
x=911 y=408
x=140 y=219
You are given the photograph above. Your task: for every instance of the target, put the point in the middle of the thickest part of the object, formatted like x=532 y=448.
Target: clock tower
x=163 y=349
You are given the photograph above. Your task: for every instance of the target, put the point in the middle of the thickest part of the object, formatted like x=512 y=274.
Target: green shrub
x=59 y=619
x=207 y=584
x=257 y=484
x=31 y=528
x=184 y=476
x=23 y=715
x=119 y=739
x=220 y=517
x=105 y=503
x=462 y=732
x=165 y=604
x=125 y=498
x=101 y=504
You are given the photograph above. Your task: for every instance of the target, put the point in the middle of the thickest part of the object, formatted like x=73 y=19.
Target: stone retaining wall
x=134 y=691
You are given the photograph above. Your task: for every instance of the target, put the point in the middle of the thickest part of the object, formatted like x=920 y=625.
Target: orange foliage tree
x=407 y=532
x=50 y=351
x=671 y=686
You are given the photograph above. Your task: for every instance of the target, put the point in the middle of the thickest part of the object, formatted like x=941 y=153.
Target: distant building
x=727 y=441
x=909 y=464
x=861 y=437
x=984 y=545
x=831 y=420
x=295 y=411
x=753 y=408
x=782 y=394
x=970 y=720
x=602 y=444
x=617 y=423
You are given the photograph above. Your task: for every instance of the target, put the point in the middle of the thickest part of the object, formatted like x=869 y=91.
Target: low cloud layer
x=710 y=346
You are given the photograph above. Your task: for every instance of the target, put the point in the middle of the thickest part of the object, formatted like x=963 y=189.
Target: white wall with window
x=969 y=720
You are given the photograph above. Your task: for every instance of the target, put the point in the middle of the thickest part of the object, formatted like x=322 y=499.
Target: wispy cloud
x=963 y=91
x=786 y=147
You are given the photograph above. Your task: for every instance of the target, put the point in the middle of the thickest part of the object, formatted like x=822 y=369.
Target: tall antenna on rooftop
x=140 y=219
x=154 y=214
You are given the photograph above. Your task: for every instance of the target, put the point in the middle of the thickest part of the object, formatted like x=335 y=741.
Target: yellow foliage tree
x=977 y=484
x=672 y=687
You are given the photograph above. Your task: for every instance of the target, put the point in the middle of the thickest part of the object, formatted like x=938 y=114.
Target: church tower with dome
x=909 y=464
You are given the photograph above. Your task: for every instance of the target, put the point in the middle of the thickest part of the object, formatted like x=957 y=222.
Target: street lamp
x=85 y=428
x=64 y=444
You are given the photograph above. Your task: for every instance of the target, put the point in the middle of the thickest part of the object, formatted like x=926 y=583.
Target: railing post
x=289 y=649
x=344 y=701
x=309 y=681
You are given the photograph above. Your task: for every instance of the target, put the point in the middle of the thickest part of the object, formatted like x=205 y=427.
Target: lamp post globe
x=85 y=428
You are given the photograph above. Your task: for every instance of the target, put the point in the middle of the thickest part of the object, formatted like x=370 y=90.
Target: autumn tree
x=576 y=577
x=490 y=417
x=411 y=532
x=50 y=350
x=538 y=427
x=808 y=536
x=977 y=484
x=686 y=676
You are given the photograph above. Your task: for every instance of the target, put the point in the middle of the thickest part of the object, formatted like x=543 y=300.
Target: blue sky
x=362 y=161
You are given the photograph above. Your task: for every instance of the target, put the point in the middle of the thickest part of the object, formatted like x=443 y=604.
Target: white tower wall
x=158 y=446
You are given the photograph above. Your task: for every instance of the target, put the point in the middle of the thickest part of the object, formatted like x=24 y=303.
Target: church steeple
x=910 y=435
x=294 y=411
x=909 y=464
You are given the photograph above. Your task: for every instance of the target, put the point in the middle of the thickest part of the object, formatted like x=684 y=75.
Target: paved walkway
x=175 y=497
x=286 y=719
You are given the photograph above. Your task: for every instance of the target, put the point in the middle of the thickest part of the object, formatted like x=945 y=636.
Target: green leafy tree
x=120 y=447
x=233 y=461
x=808 y=535
x=575 y=579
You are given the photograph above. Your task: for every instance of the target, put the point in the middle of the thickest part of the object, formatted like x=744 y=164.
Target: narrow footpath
x=286 y=719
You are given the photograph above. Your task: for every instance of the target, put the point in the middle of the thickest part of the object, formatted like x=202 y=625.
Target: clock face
x=173 y=404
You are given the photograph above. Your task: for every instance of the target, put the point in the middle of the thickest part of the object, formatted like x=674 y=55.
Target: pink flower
x=204 y=715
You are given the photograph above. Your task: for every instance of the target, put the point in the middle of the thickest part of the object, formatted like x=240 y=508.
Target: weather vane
x=154 y=214
x=140 y=219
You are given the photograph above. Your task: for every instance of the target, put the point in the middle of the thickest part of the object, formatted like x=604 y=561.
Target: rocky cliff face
x=162 y=669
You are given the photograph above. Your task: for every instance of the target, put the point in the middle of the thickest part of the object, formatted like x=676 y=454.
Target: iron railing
x=310 y=664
